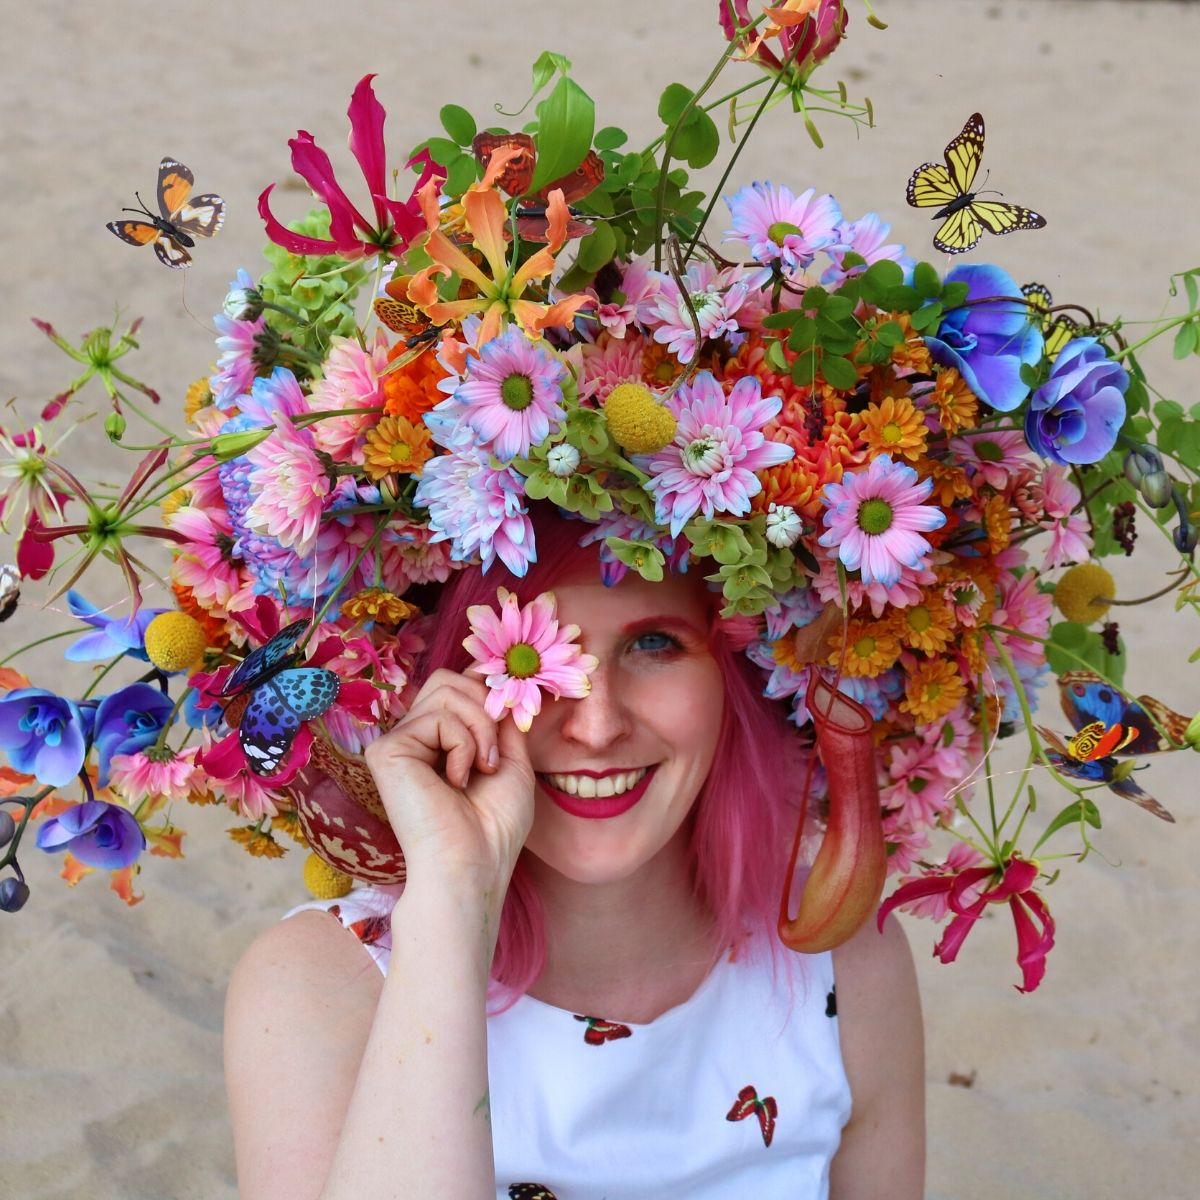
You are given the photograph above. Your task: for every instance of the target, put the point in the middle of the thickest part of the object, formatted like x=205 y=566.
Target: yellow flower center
x=865 y=646
x=919 y=618
x=400 y=452
x=892 y=432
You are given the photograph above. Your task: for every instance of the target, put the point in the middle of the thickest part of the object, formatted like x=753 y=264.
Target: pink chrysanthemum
x=236 y=366
x=639 y=286
x=140 y=777
x=719 y=444
x=608 y=362
x=716 y=296
x=901 y=593
x=995 y=456
x=204 y=563
x=350 y=380
x=866 y=237
x=511 y=395
x=289 y=486
x=1022 y=609
x=876 y=517
x=1070 y=537
x=522 y=652
x=781 y=227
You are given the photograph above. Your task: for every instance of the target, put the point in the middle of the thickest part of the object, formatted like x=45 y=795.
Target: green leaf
x=1164 y=410
x=814 y=299
x=928 y=316
x=954 y=294
x=443 y=150
x=803 y=335
x=698 y=142
x=1187 y=339
x=902 y=298
x=643 y=557
x=839 y=373
x=609 y=138
x=1193 y=293
x=926 y=281
x=460 y=174
x=782 y=320
x=630 y=168
x=674 y=99
x=545 y=66
x=597 y=248
x=889 y=334
x=804 y=369
x=566 y=122
x=837 y=308
x=776 y=359
x=884 y=274
x=458 y=123
x=1081 y=809
x=587 y=431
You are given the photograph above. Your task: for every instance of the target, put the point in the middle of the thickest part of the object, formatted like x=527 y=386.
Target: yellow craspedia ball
x=1083 y=593
x=175 y=641
x=323 y=881
x=636 y=420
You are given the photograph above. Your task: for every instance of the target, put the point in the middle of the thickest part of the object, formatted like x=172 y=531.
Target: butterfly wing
x=965 y=153
x=276 y=711
x=529 y=1191
x=999 y=217
x=174 y=184
x=959 y=232
x=1085 y=698
x=517 y=174
x=930 y=186
x=171 y=253
x=266 y=659
x=136 y=233
x=744 y=1105
x=582 y=181
x=202 y=216
x=768 y=1110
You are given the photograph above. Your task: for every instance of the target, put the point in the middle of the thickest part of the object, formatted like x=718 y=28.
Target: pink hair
x=746 y=811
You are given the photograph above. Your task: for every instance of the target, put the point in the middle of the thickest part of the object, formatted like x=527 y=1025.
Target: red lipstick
x=598 y=808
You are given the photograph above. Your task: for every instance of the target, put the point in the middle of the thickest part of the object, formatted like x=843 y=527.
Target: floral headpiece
x=899 y=476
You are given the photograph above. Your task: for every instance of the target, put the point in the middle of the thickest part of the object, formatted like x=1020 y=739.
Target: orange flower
x=950 y=483
x=215 y=633
x=894 y=427
x=500 y=296
x=933 y=689
x=257 y=842
x=396 y=447
x=927 y=626
x=912 y=352
x=957 y=406
x=378 y=604
x=997 y=522
x=411 y=390
x=871 y=647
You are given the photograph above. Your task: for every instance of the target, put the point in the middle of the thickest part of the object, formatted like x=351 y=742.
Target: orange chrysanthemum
x=950 y=483
x=288 y=821
x=411 y=391
x=378 y=604
x=396 y=446
x=893 y=426
x=257 y=842
x=997 y=523
x=933 y=689
x=957 y=406
x=927 y=626
x=871 y=647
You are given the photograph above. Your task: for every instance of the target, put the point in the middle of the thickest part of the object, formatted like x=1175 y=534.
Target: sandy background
x=110 y=1068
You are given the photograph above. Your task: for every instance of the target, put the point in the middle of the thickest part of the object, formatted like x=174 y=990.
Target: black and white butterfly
x=269 y=698
x=179 y=221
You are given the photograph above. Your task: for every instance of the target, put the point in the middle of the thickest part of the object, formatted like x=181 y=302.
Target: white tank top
x=738 y=1092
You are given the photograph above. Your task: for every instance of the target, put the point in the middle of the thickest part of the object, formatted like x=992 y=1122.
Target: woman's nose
x=599 y=718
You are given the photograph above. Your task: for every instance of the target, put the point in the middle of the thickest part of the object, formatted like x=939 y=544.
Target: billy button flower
x=175 y=642
x=1085 y=593
x=323 y=881
x=396 y=446
x=639 y=424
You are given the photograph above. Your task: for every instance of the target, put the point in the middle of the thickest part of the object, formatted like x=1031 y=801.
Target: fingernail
x=494 y=757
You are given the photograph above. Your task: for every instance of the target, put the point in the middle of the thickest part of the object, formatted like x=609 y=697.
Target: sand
x=111 y=1065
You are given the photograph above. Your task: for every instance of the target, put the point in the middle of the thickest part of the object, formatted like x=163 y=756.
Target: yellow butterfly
x=948 y=189
x=1057 y=329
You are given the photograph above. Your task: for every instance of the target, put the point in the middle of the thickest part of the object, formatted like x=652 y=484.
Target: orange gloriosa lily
x=501 y=296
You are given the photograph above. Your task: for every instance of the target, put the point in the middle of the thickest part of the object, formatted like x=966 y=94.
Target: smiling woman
x=580 y=979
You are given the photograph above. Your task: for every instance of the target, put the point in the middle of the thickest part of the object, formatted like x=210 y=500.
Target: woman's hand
x=457 y=785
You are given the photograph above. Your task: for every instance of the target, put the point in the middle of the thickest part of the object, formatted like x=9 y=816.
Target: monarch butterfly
x=948 y=189
x=269 y=699
x=179 y=221
x=1057 y=329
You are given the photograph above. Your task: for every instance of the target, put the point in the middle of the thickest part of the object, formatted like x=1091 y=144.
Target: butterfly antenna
x=183 y=301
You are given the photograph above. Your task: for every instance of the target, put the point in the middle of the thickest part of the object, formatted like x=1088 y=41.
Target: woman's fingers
x=447 y=691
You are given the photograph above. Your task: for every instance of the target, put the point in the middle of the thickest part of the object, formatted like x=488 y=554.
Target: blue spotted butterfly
x=270 y=698
x=1102 y=718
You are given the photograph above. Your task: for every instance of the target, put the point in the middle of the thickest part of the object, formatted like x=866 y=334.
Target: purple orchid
x=97 y=833
x=129 y=721
x=988 y=342
x=42 y=735
x=112 y=636
x=1075 y=416
x=351 y=234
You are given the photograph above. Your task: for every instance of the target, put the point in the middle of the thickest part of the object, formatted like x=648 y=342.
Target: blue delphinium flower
x=97 y=833
x=988 y=343
x=129 y=721
x=112 y=636
x=42 y=735
x=1075 y=416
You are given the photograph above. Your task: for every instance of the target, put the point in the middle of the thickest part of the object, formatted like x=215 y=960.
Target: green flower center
x=778 y=230
x=400 y=452
x=517 y=392
x=865 y=646
x=522 y=661
x=988 y=450
x=875 y=516
x=919 y=618
x=892 y=432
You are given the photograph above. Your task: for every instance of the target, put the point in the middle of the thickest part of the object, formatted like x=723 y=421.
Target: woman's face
x=619 y=770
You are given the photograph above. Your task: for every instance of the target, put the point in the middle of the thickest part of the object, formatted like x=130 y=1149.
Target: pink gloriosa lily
x=351 y=234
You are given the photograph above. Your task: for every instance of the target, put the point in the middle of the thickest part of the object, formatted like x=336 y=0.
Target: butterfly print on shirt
x=766 y=1110
x=599 y=1031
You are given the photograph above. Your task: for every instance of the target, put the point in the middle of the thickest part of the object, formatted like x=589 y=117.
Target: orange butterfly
x=517 y=176
x=179 y=221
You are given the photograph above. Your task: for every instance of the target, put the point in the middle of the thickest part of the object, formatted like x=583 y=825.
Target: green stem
x=367 y=548
x=1158 y=331
x=10 y=854
x=137 y=412
x=96 y=682
x=161 y=740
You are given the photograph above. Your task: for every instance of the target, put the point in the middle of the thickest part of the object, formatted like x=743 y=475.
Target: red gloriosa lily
x=967 y=896
x=351 y=234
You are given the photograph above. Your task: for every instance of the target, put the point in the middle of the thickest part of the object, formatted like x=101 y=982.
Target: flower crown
x=895 y=474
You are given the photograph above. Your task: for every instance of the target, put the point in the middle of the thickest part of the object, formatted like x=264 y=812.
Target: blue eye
x=659 y=642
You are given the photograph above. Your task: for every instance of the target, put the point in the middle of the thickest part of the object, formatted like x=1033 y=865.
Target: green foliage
x=1073 y=646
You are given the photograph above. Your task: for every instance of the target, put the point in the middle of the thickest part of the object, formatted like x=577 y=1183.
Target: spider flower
x=1075 y=416
x=876 y=517
x=522 y=652
x=42 y=735
x=719 y=445
x=397 y=222
x=989 y=338
x=97 y=833
x=967 y=894
x=808 y=33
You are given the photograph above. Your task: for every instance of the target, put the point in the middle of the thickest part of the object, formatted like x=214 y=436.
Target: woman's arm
x=342 y=1085
x=882 y=1154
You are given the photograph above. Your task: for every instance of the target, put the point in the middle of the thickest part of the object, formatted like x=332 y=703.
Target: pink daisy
x=511 y=395
x=781 y=227
x=718 y=446
x=521 y=652
x=876 y=517
x=639 y=285
x=289 y=486
x=994 y=456
x=717 y=297
x=1070 y=537
x=866 y=237
x=351 y=380
x=236 y=365
x=141 y=777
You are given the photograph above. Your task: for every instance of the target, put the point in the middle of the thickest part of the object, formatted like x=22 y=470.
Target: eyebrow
x=665 y=621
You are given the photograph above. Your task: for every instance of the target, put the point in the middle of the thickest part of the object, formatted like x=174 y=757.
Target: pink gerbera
x=289 y=486
x=205 y=562
x=876 y=517
x=523 y=651
x=716 y=298
x=511 y=395
x=710 y=466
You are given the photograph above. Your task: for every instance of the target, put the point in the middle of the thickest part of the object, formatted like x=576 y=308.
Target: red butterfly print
x=517 y=176
x=368 y=930
x=600 y=1031
x=179 y=221
x=766 y=1110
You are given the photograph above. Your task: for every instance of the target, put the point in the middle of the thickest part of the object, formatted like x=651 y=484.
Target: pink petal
x=366 y=144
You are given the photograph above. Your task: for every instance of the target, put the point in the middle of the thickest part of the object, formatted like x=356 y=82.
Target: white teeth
x=588 y=787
